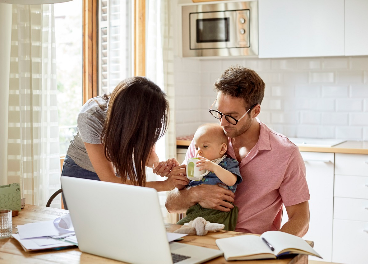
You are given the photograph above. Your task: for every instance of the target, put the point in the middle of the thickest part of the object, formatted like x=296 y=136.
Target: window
x=68 y=38
x=115 y=43
x=110 y=48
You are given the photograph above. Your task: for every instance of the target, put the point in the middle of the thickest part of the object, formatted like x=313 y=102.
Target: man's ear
x=223 y=149
x=256 y=110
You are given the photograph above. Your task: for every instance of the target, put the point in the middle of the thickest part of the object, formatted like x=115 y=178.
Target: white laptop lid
x=117 y=221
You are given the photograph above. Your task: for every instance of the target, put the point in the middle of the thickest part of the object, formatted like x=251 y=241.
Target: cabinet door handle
x=365 y=230
x=318 y=160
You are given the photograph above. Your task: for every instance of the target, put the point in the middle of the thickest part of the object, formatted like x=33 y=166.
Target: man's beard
x=233 y=133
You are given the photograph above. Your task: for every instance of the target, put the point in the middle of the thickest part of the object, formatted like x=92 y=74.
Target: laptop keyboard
x=176 y=257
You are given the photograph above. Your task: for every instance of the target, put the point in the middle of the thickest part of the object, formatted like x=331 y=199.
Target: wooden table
x=12 y=252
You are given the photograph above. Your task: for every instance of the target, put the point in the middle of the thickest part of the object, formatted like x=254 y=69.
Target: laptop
x=124 y=222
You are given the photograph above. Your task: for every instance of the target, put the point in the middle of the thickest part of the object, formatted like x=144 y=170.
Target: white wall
x=324 y=97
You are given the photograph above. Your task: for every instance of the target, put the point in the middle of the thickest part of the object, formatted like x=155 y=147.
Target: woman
x=117 y=135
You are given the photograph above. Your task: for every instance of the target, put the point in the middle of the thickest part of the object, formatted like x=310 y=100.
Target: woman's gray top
x=90 y=123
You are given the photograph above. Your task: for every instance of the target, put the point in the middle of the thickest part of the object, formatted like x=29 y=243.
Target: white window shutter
x=115 y=43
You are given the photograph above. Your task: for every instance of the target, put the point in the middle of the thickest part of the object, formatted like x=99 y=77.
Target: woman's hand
x=164 y=168
x=179 y=172
x=176 y=181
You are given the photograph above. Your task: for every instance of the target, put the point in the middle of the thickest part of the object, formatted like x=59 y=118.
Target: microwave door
x=212 y=30
x=219 y=30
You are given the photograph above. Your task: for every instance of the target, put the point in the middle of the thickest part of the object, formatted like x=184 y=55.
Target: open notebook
x=125 y=223
x=270 y=244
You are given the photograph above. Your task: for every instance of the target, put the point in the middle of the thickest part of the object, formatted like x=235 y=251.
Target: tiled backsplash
x=305 y=97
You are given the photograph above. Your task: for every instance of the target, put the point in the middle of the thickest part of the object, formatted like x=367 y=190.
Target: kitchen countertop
x=348 y=147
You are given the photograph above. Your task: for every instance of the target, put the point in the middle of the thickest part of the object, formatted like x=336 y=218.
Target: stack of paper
x=48 y=234
x=55 y=234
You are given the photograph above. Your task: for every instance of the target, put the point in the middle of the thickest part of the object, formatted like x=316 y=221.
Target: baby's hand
x=205 y=164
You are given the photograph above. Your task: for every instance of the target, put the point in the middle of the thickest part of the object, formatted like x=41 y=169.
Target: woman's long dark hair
x=137 y=117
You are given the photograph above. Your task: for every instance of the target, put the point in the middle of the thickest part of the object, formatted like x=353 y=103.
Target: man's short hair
x=238 y=81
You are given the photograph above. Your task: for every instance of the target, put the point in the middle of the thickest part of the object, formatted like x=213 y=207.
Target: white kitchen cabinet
x=320 y=178
x=351 y=186
x=356 y=27
x=350 y=242
x=351 y=164
x=303 y=28
x=350 y=229
x=351 y=209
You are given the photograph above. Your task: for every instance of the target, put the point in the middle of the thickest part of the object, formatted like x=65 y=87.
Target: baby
x=211 y=146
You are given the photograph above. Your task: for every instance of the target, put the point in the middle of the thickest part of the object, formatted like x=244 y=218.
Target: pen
x=268 y=244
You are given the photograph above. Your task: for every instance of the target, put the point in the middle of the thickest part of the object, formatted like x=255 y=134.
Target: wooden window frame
x=139 y=38
x=90 y=50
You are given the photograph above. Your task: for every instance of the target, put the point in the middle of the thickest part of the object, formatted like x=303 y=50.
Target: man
x=272 y=168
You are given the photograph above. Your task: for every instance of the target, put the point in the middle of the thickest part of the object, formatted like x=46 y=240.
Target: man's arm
x=179 y=201
x=298 y=222
x=208 y=196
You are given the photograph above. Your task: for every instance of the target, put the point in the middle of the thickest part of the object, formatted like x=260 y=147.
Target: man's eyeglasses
x=218 y=115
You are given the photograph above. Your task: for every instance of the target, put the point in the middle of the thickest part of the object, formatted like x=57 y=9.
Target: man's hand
x=213 y=197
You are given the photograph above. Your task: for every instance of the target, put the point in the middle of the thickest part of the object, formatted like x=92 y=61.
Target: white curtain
x=160 y=67
x=33 y=130
x=5 y=33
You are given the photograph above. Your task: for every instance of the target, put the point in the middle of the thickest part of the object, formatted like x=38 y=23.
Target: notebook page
x=280 y=241
x=242 y=246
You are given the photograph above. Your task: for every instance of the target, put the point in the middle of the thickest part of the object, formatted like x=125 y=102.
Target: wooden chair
x=53 y=196
x=58 y=191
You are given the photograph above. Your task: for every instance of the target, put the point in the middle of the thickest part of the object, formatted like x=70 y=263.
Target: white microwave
x=224 y=29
